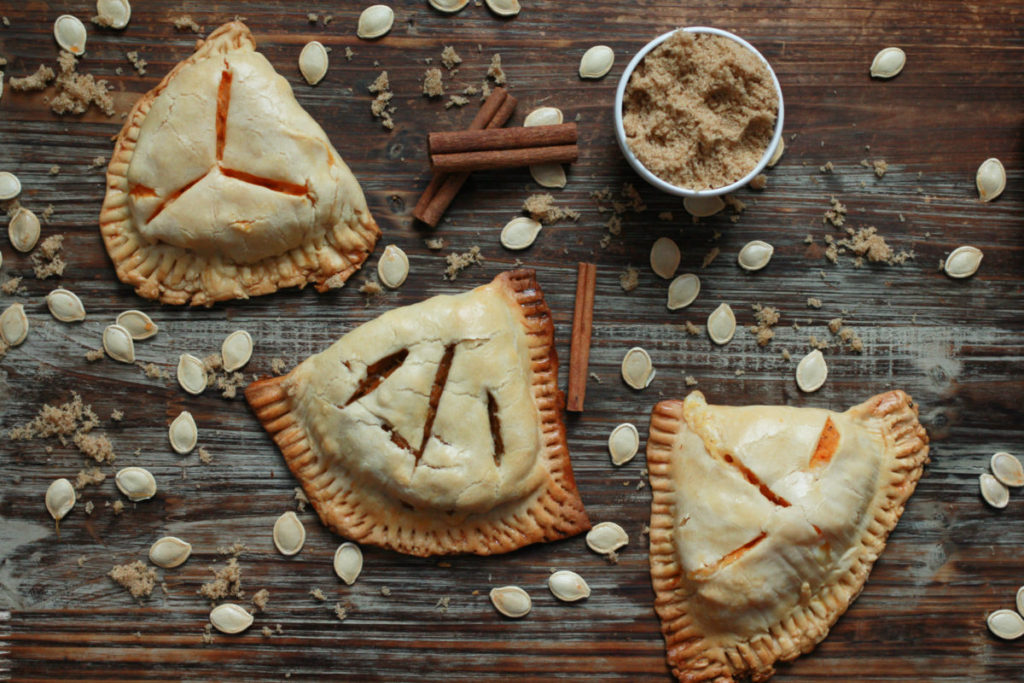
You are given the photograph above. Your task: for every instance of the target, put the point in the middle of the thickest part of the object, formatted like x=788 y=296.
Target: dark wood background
x=956 y=346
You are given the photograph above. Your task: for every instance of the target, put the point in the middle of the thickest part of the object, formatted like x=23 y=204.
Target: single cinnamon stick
x=582 y=328
x=504 y=158
x=519 y=137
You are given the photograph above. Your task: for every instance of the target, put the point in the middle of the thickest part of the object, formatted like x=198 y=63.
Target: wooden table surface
x=955 y=345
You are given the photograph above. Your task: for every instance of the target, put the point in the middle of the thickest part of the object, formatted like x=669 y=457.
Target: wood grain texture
x=955 y=346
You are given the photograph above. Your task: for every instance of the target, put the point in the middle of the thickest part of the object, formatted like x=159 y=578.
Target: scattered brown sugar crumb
x=450 y=58
x=301 y=501
x=204 y=456
x=5 y=21
x=340 y=612
x=13 y=285
x=54 y=170
x=278 y=366
x=443 y=603
x=77 y=92
x=434 y=243
x=89 y=507
x=699 y=110
x=816 y=343
x=35 y=81
x=459 y=262
x=371 y=288
x=227 y=383
x=495 y=72
x=381 y=106
x=89 y=477
x=47 y=213
x=827 y=168
x=98 y=162
x=629 y=279
x=385 y=591
x=47 y=260
x=152 y=371
x=226 y=582
x=813 y=302
x=136 y=578
x=846 y=335
x=786 y=355
x=117 y=507
x=456 y=101
x=866 y=242
x=81 y=561
x=665 y=216
x=267 y=632
x=767 y=317
x=70 y=422
x=880 y=167
x=312 y=17
x=116 y=415
x=758 y=182
x=690 y=381
x=186 y=23
x=349 y=53
x=432 y=85
x=318 y=594
x=809 y=239
x=836 y=215
x=710 y=257
x=208 y=634
x=136 y=61
x=612 y=557
x=235 y=549
x=541 y=207
x=260 y=598
x=693 y=330
x=834 y=324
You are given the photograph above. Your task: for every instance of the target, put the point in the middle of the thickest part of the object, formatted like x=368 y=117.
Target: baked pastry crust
x=766 y=521
x=435 y=428
x=221 y=186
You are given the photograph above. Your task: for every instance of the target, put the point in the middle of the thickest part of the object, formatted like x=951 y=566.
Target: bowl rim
x=664 y=186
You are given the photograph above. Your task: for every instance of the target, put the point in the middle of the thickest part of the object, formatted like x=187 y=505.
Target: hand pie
x=766 y=521
x=221 y=186
x=435 y=428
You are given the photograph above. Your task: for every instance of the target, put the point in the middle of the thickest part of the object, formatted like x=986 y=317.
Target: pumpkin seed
x=811 y=371
x=448 y=6
x=664 y=257
x=69 y=32
x=990 y=179
x=117 y=342
x=289 y=534
x=683 y=291
x=138 y=324
x=313 y=62
x=375 y=21
x=169 y=552
x=888 y=62
x=548 y=175
x=114 y=13
x=504 y=8
x=777 y=154
x=637 y=368
x=235 y=351
x=230 y=618
x=183 y=433
x=393 y=267
x=136 y=482
x=963 y=262
x=993 y=491
x=14 y=324
x=1006 y=624
x=1020 y=600
x=191 y=374
x=597 y=62
x=606 y=537
x=755 y=255
x=512 y=601
x=544 y=116
x=65 y=305
x=722 y=324
x=10 y=186
x=60 y=498
x=24 y=230
x=519 y=233
x=1007 y=469
x=623 y=443
x=348 y=562
x=702 y=207
x=568 y=586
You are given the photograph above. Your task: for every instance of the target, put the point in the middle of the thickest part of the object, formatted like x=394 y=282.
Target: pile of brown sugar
x=699 y=110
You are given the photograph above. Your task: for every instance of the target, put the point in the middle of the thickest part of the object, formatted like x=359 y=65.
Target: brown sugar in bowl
x=708 y=133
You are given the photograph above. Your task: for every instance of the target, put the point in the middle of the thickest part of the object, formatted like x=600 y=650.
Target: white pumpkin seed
x=138 y=324
x=183 y=433
x=14 y=324
x=993 y=491
x=191 y=374
x=549 y=175
x=1020 y=600
x=623 y=443
x=504 y=8
x=597 y=62
x=683 y=291
x=24 y=230
x=169 y=552
x=811 y=371
x=755 y=255
x=665 y=257
x=512 y=601
x=568 y=586
x=1007 y=469
x=393 y=267
x=702 y=207
x=637 y=368
x=230 y=618
x=375 y=21
x=289 y=534
x=313 y=62
x=348 y=562
x=1006 y=624
x=888 y=62
x=65 y=306
x=544 y=116
x=448 y=6
x=963 y=262
x=606 y=537
x=60 y=498
x=235 y=350
x=777 y=154
x=10 y=186
x=519 y=233
x=114 y=13
x=722 y=324
x=136 y=482
x=990 y=179
x=117 y=342
x=69 y=32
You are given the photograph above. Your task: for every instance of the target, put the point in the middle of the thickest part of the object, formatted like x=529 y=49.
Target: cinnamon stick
x=582 y=328
x=504 y=158
x=520 y=137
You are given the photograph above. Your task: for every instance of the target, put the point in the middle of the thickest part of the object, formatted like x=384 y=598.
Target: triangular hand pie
x=766 y=521
x=221 y=186
x=435 y=428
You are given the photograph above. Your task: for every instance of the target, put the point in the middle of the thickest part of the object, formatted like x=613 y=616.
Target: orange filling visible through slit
x=139 y=191
x=223 y=101
x=377 y=373
x=708 y=570
x=753 y=479
x=828 y=442
x=275 y=185
x=171 y=197
x=492 y=413
x=440 y=379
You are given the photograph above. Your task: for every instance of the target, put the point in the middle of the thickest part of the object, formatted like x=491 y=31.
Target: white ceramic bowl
x=620 y=131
